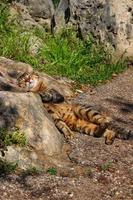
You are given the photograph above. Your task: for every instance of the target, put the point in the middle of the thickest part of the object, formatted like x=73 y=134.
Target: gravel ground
x=116 y=97
x=104 y=173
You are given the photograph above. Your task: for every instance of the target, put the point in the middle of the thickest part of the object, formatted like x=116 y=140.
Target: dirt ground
x=108 y=170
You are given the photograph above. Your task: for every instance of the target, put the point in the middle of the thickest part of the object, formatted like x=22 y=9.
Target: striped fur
x=72 y=117
x=92 y=115
x=85 y=120
x=77 y=118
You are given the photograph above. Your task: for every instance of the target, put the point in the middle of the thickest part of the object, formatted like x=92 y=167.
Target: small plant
x=52 y=171
x=106 y=166
x=32 y=171
x=7 y=167
x=7 y=1
x=89 y=173
x=13 y=137
x=56 y=2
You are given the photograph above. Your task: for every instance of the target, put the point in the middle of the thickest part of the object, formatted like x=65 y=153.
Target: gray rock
x=110 y=21
x=10 y=70
x=8 y=66
x=26 y=112
x=62 y=14
x=34 y=43
x=62 y=86
x=27 y=18
x=103 y=18
x=39 y=8
x=21 y=12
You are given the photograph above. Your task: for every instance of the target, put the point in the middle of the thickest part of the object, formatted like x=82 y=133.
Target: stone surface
x=26 y=112
x=34 y=43
x=39 y=8
x=110 y=21
x=20 y=11
x=64 y=87
x=62 y=14
x=104 y=19
x=10 y=70
x=9 y=66
x=26 y=19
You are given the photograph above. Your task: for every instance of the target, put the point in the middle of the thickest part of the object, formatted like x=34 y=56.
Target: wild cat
x=70 y=117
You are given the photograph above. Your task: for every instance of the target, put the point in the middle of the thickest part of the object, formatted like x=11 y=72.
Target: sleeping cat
x=70 y=117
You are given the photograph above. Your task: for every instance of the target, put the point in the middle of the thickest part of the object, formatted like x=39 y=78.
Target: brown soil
x=107 y=170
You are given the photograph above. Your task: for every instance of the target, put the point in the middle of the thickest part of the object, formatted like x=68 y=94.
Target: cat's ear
x=61 y=16
x=21 y=75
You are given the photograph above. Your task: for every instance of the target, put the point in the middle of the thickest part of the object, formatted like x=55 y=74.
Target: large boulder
x=110 y=21
x=9 y=66
x=32 y=13
x=26 y=112
x=21 y=12
x=11 y=70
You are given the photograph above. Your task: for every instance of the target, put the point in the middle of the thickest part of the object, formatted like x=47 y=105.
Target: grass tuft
x=7 y=167
x=56 y=2
x=52 y=171
x=12 y=137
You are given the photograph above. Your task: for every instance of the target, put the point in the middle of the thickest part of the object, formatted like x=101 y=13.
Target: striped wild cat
x=73 y=117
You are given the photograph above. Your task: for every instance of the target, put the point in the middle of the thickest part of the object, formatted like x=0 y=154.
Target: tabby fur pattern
x=73 y=117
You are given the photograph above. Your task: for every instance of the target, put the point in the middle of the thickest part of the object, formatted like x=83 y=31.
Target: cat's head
x=28 y=81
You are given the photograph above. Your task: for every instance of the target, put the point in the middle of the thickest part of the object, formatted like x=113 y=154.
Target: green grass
x=63 y=54
x=82 y=61
x=7 y=167
x=56 y=2
x=106 y=166
x=52 y=171
x=12 y=137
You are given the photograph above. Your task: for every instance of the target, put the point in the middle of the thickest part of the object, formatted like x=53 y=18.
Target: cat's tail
x=121 y=132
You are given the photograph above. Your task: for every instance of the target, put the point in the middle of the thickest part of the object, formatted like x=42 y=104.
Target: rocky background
x=107 y=20
x=26 y=112
x=110 y=21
